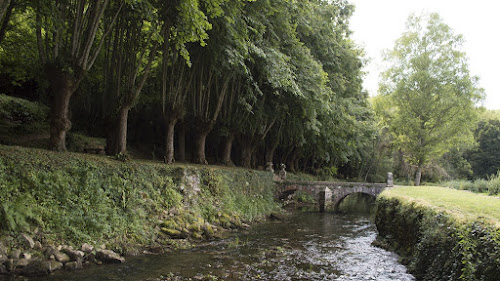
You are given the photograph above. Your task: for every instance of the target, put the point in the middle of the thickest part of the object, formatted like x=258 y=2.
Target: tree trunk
x=200 y=147
x=246 y=155
x=270 y=154
x=181 y=151
x=4 y=4
x=117 y=139
x=63 y=87
x=296 y=164
x=418 y=175
x=6 y=9
x=169 y=140
x=226 y=153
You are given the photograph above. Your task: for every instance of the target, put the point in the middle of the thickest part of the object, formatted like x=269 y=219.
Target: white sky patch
x=376 y=24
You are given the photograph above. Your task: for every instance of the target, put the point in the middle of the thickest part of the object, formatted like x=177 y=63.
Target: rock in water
x=109 y=256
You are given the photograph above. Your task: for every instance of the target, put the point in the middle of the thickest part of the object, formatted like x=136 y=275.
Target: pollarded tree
x=184 y=21
x=130 y=51
x=69 y=36
x=431 y=91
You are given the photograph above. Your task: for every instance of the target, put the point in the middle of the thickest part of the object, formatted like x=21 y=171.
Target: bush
x=494 y=185
x=15 y=112
x=479 y=185
x=303 y=197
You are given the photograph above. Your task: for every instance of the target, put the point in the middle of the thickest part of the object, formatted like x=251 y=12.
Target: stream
x=305 y=246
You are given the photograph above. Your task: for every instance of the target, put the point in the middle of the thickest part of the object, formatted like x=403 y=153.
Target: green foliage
x=80 y=198
x=431 y=92
x=21 y=115
x=294 y=74
x=490 y=186
x=480 y=185
x=485 y=158
x=303 y=197
x=122 y=156
x=439 y=246
x=88 y=198
x=327 y=173
x=247 y=194
x=493 y=184
x=19 y=214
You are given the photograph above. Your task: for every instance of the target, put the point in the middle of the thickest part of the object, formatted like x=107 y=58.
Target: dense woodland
x=222 y=82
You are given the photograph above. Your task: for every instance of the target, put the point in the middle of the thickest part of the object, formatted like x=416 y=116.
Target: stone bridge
x=329 y=195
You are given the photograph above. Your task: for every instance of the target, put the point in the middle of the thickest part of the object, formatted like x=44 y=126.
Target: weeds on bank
x=490 y=186
x=90 y=198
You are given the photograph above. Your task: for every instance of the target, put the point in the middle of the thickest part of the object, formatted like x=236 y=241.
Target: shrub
x=494 y=185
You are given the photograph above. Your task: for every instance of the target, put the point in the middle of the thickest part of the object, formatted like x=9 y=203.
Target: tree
x=431 y=91
x=184 y=21
x=130 y=51
x=6 y=8
x=68 y=46
x=485 y=158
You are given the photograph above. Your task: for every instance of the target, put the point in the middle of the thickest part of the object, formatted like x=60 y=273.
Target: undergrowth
x=490 y=186
x=19 y=117
x=76 y=198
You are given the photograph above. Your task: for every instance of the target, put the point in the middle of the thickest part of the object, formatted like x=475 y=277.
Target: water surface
x=306 y=246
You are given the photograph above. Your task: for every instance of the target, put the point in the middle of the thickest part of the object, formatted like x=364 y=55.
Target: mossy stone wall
x=437 y=246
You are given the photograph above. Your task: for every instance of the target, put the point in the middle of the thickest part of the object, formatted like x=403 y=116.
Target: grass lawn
x=463 y=205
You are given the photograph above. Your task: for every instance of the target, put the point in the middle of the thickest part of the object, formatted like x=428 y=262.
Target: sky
x=376 y=24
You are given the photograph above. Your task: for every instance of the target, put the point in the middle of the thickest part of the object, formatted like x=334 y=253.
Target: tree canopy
x=249 y=83
x=431 y=93
x=273 y=81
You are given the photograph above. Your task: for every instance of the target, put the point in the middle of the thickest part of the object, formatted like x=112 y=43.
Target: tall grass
x=490 y=186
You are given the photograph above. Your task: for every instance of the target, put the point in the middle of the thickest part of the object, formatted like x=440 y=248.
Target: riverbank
x=80 y=205
x=441 y=233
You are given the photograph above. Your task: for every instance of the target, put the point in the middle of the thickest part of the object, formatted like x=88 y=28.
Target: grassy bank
x=462 y=205
x=73 y=198
x=442 y=233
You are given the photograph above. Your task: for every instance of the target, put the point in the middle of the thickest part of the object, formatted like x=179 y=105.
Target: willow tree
x=430 y=89
x=70 y=35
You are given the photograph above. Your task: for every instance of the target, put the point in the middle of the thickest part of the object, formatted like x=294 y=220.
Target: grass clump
x=490 y=186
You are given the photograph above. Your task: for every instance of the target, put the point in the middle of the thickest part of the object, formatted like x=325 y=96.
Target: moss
x=74 y=198
x=437 y=245
x=174 y=233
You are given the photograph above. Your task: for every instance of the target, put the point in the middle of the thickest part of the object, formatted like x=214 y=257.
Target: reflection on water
x=307 y=246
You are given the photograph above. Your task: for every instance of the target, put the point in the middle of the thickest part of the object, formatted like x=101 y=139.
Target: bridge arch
x=338 y=201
